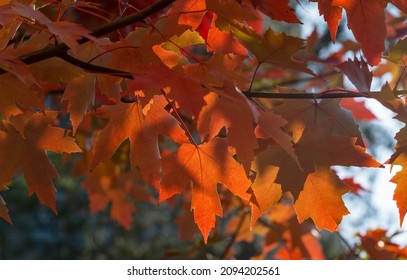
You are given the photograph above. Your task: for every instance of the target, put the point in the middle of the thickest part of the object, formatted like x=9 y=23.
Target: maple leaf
x=399 y=157
x=7 y=32
x=388 y=99
x=321 y=185
x=290 y=175
x=332 y=15
x=398 y=53
x=366 y=19
x=67 y=31
x=357 y=189
x=172 y=52
x=18 y=68
x=229 y=12
x=387 y=250
x=270 y=126
x=190 y=12
x=288 y=239
x=15 y=95
x=80 y=93
x=266 y=191
x=400 y=193
x=224 y=41
x=276 y=49
x=334 y=150
x=127 y=121
x=220 y=112
x=218 y=71
x=203 y=167
x=277 y=10
x=192 y=61
x=23 y=145
x=185 y=90
x=321 y=199
x=185 y=221
x=358 y=109
x=301 y=114
x=358 y=73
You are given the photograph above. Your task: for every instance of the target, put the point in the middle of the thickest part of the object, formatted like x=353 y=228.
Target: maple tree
x=202 y=99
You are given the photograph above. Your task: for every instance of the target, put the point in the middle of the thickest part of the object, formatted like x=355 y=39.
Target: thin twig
x=254 y=76
x=285 y=83
x=401 y=76
x=350 y=248
x=94 y=68
x=189 y=134
x=234 y=235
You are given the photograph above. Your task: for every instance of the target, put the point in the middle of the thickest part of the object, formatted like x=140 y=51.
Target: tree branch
x=297 y=95
x=348 y=246
x=94 y=68
x=234 y=235
x=59 y=49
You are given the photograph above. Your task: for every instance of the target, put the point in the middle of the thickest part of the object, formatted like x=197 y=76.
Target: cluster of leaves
x=172 y=101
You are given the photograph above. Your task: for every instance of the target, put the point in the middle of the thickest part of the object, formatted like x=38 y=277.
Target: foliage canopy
x=201 y=99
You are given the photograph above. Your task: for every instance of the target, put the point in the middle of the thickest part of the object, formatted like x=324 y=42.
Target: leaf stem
x=399 y=79
x=189 y=134
x=254 y=76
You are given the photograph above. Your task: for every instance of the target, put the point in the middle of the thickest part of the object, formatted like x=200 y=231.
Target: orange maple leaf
x=127 y=121
x=190 y=12
x=270 y=127
x=321 y=199
x=224 y=41
x=16 y=96
x=80 y=93
x=400 y=193
x=23 y=144
x=203 y=167
x=289 y=239
x=265 y=189
x=220 y=112
x=388 y=99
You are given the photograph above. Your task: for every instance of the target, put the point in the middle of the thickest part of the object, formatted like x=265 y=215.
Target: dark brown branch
x=234 y=235
x=57 y=50
x=94 y=68
x=348 y=246
x=297 y=80
x=296 y=95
